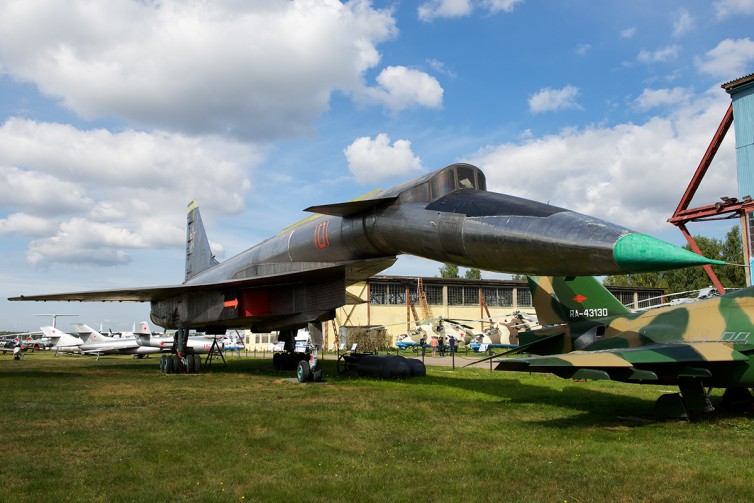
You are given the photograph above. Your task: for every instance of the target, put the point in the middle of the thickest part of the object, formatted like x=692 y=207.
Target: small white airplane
x=95 y=343
x=62 y=341
x=195 y=344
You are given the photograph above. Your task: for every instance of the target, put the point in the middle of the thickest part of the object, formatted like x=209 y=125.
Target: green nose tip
x=642 y=253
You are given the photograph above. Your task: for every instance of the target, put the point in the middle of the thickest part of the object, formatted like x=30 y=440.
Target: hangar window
x=378 y=294
x=505 y=297
x=434 y=295
x=524 y=297
x=471 y=296
x=455 y=295
x=646 y=299
x=490 y=296
x=412 y=294
x=626 y=297
x=498 y=297
x=396 y=293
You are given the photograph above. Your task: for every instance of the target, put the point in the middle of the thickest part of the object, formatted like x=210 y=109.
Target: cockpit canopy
x=441 y=183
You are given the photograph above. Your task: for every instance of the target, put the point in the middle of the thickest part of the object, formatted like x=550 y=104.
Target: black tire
x=190 y=364
x=169 y=365
x=303 y=371
x=317 y=374
x=176 y=364
x=163 y=363
x=276 y=364
x=198 y=364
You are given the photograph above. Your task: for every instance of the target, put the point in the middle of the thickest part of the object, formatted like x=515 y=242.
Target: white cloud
x=683 y=22
x=246 y=69
x=443 y=9
x=629 y=174
x=628 y=32
x=434 y=9
x=727 y=8
x=582 y=49
x=27 y=225
x=401 y=88
x=652 y=98
x=660 y=55
x=501 y=5
x=548 y=99
x=729 y=60
x=112 y=191
x=371 y=160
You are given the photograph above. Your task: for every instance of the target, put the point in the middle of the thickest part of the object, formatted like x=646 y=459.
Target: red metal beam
x=708 y=268
x=717 y=211
x=706 y=161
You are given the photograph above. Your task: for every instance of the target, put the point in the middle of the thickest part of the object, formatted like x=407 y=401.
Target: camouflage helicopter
x=706 y=344
x=503 y=334
x=440 y=328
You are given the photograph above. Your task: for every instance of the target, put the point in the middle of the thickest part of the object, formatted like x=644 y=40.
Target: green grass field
x=78 y=429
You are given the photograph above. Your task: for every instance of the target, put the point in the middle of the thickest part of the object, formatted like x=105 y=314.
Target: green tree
x=473 y=274
x=449 y=271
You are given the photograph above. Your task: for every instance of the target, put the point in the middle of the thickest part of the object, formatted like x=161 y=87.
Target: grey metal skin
x=299 y=277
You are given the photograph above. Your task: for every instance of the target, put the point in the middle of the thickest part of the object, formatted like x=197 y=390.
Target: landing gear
x=693 y=400
x=174 y=364
x=181 y=363
x=303 y=372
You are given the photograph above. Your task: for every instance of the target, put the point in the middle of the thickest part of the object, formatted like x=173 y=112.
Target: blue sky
x=116 y=114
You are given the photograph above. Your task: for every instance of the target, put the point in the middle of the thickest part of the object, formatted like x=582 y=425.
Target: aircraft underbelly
x=260 y=308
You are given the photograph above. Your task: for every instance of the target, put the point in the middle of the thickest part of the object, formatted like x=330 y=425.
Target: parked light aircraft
x=705 y=344
x=62 y=341
x=194 y=344
x=98 y=344
x=299 y=277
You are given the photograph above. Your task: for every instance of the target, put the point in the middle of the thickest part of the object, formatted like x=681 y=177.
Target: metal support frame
x=727 y=208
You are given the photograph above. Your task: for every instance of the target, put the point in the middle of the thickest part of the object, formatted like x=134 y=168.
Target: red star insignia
x=579 y=298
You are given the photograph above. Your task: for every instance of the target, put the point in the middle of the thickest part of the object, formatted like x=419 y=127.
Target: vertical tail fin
x=559 y=299
x=87 y=333
x=198 y=252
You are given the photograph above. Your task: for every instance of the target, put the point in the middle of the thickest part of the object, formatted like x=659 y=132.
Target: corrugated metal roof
x=729 y=86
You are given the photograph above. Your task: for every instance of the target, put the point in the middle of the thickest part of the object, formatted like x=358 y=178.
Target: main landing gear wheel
x=169 y=365
x=303 y=371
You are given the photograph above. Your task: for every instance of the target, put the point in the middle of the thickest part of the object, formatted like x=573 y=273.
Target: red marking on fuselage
x=579 y=298
x=322 y=235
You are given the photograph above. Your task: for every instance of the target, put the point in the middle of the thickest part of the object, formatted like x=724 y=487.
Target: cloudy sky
x=115 y=115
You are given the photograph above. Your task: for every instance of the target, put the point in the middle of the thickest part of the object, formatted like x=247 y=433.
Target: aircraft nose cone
x=642 y=253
